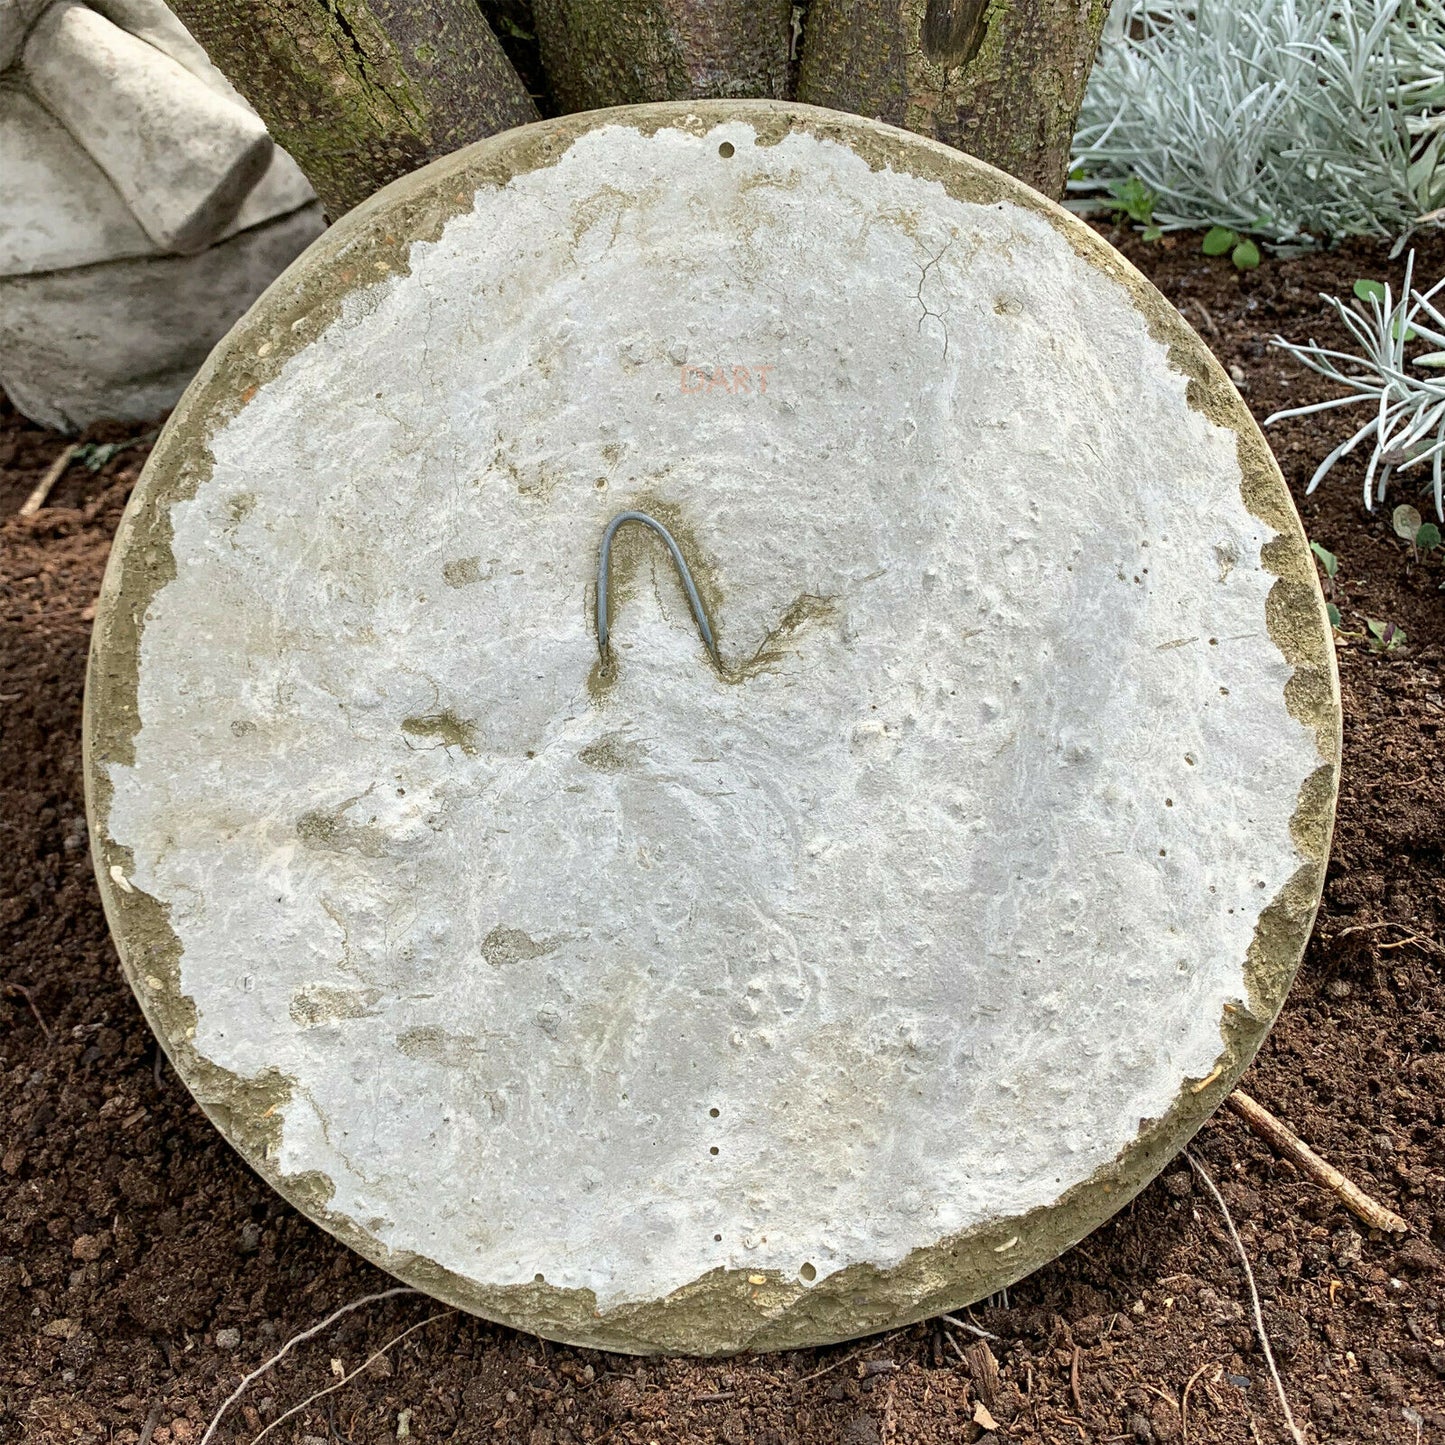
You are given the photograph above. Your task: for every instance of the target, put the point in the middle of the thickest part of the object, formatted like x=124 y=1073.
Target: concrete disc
x=681 y=1001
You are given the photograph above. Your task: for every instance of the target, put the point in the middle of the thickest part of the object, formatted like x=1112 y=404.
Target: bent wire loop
x=605 y=556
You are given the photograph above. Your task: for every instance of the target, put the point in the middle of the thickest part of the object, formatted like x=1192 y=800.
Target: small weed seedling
x=1330 y=564
x=1134 y=201
x=1220 y=241
x=1384 y=636
x=1423 y=537
x=94 y=455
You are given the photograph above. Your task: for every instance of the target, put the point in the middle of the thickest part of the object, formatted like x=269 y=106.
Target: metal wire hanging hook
x=605 y=556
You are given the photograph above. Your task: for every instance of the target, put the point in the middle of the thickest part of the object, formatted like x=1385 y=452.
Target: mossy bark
x=363 y=91
x=1000 y=79
x=622 y=52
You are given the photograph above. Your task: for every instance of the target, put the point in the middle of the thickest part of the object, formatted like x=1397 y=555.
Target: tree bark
x=363 y=91
x=1000 y=79
x=622 y=52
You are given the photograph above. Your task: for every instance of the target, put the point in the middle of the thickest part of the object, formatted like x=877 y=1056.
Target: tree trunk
x=620 y=52
x=363 y=91
x=1000 y=79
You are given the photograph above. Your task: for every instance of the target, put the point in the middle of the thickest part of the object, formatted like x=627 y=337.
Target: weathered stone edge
x=722 y=1312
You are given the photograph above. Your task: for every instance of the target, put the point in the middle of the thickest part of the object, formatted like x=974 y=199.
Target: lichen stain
x=510 y=945
x=240 y=507
x=462 y=571
x=434 y=1045
x=319 y=1003
x=330 y=831
x=608 y=203
x=804 y=609
x=447 y=728
x=611 y=754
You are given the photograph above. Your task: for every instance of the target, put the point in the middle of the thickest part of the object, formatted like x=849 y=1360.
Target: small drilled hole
x=726 y=151
x=539 y=1279
x=717 y=1239
x=713 y=1113
x=713 y=1150
x=808 y=1273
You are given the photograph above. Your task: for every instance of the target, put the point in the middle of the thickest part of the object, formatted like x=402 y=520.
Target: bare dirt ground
x=144 y=1269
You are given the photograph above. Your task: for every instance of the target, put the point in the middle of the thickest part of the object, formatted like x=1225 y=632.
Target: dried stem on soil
x=972 y=1329
x=33 y=503
x=152 y=1420
x=816 y=1373
x=290 y=1344
x=1184 y=1399
x=1295 y=1432
x=20 y=991
x=1278 y=1134
x=347 y=1378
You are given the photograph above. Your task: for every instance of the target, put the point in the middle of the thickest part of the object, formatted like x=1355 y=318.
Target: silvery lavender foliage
x=1294 y=120
x=1406 y=428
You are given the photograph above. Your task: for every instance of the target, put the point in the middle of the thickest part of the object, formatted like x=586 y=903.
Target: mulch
x=144 y=1269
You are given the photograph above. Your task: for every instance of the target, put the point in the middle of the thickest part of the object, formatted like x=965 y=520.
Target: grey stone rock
x=16 y=18
x=123 y=339
x=124 y=150
x=61 y=210
x=182 y=157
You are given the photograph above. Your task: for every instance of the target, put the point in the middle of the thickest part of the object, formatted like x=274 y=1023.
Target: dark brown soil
x=144 y=1269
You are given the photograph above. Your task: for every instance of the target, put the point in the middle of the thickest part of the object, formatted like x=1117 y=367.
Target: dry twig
x=816 y=1373
x=1298 y=1152
x=152 y=1420
x=1415 y=940
x=20 y=991
x=1295 y=1433
x=53 y=473
x=972 y=1329
x=348 y=1378
x=290 y=1344
x=1184 y=1400
x=1426 y=945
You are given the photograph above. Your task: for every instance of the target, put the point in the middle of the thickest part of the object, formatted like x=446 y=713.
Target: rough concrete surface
x=663 y=1004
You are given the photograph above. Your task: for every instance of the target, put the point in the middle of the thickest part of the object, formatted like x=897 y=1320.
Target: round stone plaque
x=853 y=905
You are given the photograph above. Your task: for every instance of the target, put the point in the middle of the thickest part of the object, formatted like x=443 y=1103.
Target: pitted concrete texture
x=660 y=1004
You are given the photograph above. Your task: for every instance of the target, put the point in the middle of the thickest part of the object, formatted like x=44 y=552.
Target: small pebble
x=227 y=1339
